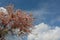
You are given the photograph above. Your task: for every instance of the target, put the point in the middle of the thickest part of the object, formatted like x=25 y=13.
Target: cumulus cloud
x=2 y=9
x=44 y=32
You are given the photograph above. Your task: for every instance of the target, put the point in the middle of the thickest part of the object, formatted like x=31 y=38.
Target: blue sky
x=48 y=11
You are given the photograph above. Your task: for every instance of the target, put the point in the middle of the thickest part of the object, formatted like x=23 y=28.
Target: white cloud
x=2 y=9
x=44 y=32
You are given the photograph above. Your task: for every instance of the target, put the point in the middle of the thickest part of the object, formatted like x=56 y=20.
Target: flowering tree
x=14 y=21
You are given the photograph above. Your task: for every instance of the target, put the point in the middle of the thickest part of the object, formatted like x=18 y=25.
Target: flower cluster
x=14 y=21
